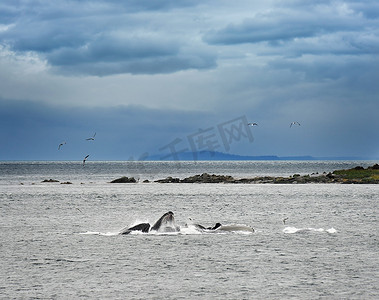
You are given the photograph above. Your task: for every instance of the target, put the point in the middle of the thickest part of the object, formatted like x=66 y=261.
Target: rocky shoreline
x=357 y=175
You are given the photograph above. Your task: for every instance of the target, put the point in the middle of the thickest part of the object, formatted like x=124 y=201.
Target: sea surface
x=61 y=241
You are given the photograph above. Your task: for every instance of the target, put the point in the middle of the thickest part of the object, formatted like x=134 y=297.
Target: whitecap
x=100 y=233
x=309 y=229
x=290 y=230
x=90 y=233
x=189 y=230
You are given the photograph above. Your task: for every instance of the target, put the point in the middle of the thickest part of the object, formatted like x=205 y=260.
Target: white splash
x=100 y=233
x=331 y=230
x=309 y=229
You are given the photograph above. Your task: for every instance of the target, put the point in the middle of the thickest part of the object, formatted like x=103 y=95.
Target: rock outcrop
x=124 y=179
x=50 y=180
x=354 y=175
x=207 y=178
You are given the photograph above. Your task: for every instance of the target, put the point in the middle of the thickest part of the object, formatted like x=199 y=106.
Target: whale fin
x=217 y=225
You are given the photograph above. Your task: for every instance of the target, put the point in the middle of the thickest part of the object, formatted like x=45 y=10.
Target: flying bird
x=91 y=138
x=294 y=123
x=252 y=124
x=60 y=145
x=85 y=158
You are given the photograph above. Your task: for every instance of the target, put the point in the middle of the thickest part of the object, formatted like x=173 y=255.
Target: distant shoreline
x=356 y=175
x=220 y=156
x=208 y=156
x=195 y=161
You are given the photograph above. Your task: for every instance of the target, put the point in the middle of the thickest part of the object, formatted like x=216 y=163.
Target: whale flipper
x=144 y=227
x=201 y=227
x=217 y=225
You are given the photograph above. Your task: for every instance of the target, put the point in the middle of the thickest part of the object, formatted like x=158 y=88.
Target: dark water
x=60 y=241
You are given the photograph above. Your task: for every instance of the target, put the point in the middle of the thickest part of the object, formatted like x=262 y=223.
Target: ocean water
x=61 y=241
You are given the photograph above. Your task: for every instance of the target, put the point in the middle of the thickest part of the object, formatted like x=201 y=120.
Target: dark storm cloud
x=151 y=37
x=148 y=5
x=275 y=61
x=150 y=65
x=101 y=37
x=112 y=55
x=304 y=28
x=369 y=8
x=254 y=31
x=351 y=74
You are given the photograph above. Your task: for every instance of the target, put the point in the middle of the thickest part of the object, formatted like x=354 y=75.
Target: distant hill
x=208 y=155
x=217 y=156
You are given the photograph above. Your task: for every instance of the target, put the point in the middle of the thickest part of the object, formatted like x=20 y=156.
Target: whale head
x=166 y=223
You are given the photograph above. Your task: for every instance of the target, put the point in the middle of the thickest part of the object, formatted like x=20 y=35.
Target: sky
x=161 y=77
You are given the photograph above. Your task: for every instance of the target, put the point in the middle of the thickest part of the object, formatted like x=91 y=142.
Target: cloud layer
x=102 y=37
x=143 y=37
x=199 y=61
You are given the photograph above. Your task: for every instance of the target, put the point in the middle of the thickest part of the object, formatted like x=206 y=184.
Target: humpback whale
x=235 y=228
x=219 y=227
x=166 y=223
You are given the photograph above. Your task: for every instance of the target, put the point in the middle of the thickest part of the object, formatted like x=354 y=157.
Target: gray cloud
x=153 y=65
x=112 y=55
x=348 y=73
x=102 y=37
x=369 y=8
x=147 y=37
x=305 y=28
x=275 y=62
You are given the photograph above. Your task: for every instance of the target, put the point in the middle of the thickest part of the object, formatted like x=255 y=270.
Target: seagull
x=294 y=123
x=60 y=145
x=91 y=138
x=85 y=158
x=252 y=124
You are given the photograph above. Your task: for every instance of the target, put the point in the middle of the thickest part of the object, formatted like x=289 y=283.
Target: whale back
x=235 y=228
